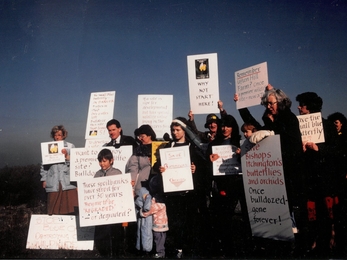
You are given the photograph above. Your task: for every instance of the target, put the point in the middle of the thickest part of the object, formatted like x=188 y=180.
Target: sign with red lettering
x=156 y=111
x=101 y=106
x=250 y=85
x=265 y=191
x=177 y=175
x=106 y=200
x=59 y=232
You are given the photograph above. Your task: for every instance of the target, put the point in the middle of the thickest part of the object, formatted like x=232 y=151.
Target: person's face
x=226 y=131
x=338 y=125
x=114 y=131
x=272 y=105
x=303 y=109
x=105 y=164
x=247 y=133
x=177 y=133
x=145 y=139
x=58 y=136
x=213 y=127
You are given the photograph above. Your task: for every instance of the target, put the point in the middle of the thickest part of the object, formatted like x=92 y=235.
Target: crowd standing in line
x=200 y=219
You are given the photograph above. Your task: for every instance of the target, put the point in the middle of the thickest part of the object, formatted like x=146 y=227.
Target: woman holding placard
x=61 y=194
x=183 y=207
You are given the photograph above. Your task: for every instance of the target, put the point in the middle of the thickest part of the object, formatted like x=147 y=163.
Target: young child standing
x=104 y=236
x=158 y=210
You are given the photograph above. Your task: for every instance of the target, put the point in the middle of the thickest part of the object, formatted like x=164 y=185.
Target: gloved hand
x=256 y=137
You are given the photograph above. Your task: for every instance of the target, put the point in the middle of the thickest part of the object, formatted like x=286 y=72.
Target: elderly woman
x=61 y=194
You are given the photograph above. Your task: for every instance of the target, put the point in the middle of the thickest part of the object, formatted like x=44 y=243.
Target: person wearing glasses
x=280 y=120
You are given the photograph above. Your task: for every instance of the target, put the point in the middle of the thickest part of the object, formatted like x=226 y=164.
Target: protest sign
x=59 y=232
x=156 y=111
x=203 y=83
x=96 y=143
x=265 y=191
x=101 y=106
x=51 y=152
x=250 y=85
x=311 y=128
x=84 y=161
x=177 y=175
x=106 y=200
x=228 y=162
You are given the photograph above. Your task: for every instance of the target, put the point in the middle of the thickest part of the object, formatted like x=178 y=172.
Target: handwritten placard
x=250 y=85
x=59 y=232
x=101 y=106
x=311 y=128
x=106 y=200
x=228 y=162
x=84 y=161
x=265 y=191
x=177 y=175
x=156 y=111
x=203 y=83
x=51 y=152
x=96 y=143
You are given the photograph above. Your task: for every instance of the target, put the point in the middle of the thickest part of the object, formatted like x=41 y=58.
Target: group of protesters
x=199 y=222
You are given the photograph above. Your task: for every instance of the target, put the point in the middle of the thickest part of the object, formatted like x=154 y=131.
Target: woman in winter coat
x=139 y=166
x=61 y=194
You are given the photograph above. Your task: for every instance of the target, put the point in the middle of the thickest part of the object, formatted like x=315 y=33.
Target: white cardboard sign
x=203 y=83
x=265 y=191
x=59 y=232
x=101 y=106
x=106 y=200
x=177 y=175
x=311 y=127
x=51 y=152
x=84 y=161
x=228 y=162
x=156 y=111
x=250 y=85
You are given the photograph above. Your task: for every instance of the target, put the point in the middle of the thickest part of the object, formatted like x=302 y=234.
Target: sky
x=54 y=53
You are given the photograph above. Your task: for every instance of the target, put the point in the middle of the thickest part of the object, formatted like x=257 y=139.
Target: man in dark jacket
x=117 y=138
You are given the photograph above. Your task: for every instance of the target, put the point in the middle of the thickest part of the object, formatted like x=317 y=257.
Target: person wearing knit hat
x=181 y=204
x=212 y=124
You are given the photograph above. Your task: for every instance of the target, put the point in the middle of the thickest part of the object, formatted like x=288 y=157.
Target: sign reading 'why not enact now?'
x=265 y=191
x=106 y=200
x=250 y=85
x=203 y=83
